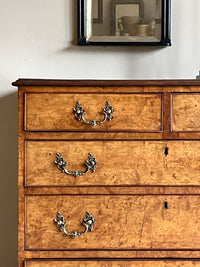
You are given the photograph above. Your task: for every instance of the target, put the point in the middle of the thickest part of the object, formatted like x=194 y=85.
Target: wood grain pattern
x=21 y=167
x=114 y=190
x=156 y=232
x=95 y=83
x=186 y=112
x=133 y=112
x=122 y=222
x=115 y=88
x=113 y=263
x=119 y=163
x=112 y=135
x=111 y=254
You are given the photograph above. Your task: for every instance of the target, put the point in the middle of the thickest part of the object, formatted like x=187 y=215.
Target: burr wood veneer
x=136 y=172
x=113 y=263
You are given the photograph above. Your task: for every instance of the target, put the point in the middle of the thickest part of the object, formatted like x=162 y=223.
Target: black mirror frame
x=166 y=28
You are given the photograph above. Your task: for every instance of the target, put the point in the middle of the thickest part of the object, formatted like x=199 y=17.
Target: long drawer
x=118 y=163
x=141 y=112
x=123 y=222
x=112 y=263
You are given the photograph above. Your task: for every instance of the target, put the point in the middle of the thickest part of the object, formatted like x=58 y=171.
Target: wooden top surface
x=57 y=82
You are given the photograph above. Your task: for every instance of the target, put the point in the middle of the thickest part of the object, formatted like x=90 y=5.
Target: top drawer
x=133 y=112
x=185 y=114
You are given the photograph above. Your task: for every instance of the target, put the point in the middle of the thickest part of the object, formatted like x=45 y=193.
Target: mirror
x=124 y=22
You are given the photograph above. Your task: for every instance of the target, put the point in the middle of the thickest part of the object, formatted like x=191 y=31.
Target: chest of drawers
x=109 y=173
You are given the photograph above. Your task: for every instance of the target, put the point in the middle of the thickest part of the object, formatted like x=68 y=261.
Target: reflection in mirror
x=124 y=20
x=97 y=11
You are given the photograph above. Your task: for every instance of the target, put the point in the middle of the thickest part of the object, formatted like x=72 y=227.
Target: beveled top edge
x=57 y=82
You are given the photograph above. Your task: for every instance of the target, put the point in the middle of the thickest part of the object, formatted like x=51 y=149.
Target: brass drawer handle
x=88 y=222
x=79 y=113
x=90 y=164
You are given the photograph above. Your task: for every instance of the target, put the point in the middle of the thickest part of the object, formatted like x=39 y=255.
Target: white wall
x=37 y=41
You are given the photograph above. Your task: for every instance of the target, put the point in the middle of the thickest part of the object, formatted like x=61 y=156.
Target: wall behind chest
x=38 y=40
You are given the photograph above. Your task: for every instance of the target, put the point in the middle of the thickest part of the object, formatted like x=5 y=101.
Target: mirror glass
x=124 y=20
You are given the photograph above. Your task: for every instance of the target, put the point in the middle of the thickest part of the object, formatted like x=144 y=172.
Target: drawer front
x=112 y=263
x=122 y=222
x=132 y=112
x=118 y=163
x=185 y=115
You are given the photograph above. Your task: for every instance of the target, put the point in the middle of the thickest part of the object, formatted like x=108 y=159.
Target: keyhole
x=166 y=151
x=166 y=205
